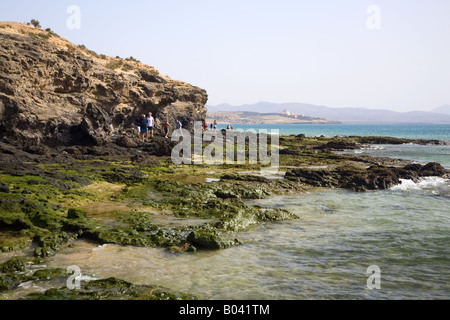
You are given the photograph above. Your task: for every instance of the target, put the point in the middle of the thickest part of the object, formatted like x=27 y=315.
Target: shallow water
x=414 y=152
x=189 y=179
x=322 y=255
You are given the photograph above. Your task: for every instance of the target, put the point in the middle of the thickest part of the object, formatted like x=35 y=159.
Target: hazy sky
x=389 y=54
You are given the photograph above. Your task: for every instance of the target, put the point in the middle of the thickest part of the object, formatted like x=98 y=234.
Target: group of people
x=145 y=127
x=213 y=126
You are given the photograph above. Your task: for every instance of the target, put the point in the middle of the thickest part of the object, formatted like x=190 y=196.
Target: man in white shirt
x=151 y=123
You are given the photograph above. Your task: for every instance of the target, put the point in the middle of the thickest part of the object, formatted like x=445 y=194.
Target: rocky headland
x=53 y=93
x=73 y=169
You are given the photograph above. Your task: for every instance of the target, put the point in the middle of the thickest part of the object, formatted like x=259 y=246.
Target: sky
x=377 y=54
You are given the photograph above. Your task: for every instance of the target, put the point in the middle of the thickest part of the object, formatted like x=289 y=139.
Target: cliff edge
x=54 y=93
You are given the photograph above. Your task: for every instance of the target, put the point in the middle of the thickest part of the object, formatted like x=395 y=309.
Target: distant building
x=286 y=112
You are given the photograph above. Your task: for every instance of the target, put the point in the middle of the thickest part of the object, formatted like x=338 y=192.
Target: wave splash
x=434 y=185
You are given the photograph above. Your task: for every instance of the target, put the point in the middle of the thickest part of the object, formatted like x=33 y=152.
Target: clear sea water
x=407 y=131
x=324 y=254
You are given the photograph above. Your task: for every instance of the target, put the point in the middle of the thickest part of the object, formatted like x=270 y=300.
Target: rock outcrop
x=54 y=93
x=376 y=177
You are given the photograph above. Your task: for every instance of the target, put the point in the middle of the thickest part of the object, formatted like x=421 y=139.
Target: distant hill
x=347 y=115
x=445 y=109
x=248 y=117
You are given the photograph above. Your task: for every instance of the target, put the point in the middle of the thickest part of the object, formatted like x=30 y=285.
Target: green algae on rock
x=49 y=204
x=112 y=289
x=210 y=239
x=13 y=265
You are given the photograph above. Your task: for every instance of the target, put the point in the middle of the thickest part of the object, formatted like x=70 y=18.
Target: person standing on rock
x=150 y=124
x=144 y=127
x=180 y=127
x=137 y=122
x=166 y=127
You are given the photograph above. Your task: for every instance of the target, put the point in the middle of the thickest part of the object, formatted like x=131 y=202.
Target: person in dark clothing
x=144 y=127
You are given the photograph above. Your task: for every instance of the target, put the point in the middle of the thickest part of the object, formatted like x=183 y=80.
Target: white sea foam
x=435 y=185
x=86 y=278
x=100 y=247
x=375 y=147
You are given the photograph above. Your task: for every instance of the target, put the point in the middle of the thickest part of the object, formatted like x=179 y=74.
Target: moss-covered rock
x=9 y=282
x=74 y=213
x=13 y=265
x=4 y=188
x=47 y=274
x=48 y=243
x=210 y=239
x=112 y=289
x=14 y=243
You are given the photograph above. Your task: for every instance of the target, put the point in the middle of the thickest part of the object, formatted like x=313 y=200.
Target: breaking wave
x=432 y=185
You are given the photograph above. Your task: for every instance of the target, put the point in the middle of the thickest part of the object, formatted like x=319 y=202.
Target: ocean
x=329 y=252
x=407 y=131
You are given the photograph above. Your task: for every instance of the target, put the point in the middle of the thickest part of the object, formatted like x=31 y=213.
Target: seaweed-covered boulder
x=9 y=282
x=13 y=265
x=74 y=213
x=433 y=169
x=47 y=274
x=112 y=289
x=209 y=239
x=4 y=188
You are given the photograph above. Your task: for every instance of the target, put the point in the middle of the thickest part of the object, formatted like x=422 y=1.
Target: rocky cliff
x=54 y=93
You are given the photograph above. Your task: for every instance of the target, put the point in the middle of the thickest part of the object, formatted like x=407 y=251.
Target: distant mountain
x=347 y=115
x=445 y=109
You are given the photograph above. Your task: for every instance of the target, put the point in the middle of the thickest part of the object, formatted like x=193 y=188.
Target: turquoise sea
x=407 y=131
x=325 y=253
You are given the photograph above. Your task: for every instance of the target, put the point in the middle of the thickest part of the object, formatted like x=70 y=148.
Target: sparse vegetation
x=154 y=72
x=71 y=48
x=132 y=59
x=33 y=35
x=35 y=23
x=51 y=32
x=127 y=67
x=44 y=36
x=113 y=65
x=93 y=53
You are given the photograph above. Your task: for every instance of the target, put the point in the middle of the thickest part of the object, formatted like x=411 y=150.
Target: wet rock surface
x=361 y=179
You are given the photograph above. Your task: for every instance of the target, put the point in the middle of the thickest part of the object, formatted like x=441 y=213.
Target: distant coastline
x=248 y=117
x=332 y=115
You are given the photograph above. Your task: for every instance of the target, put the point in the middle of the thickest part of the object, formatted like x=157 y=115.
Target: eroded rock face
x=53 y=93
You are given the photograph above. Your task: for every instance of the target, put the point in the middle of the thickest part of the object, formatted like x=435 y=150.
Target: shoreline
x=136 y=200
